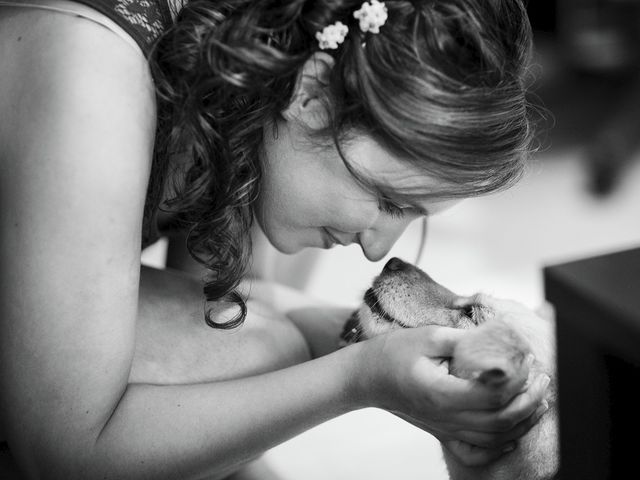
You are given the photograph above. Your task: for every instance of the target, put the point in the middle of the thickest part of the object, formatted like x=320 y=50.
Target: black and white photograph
x=319 y=240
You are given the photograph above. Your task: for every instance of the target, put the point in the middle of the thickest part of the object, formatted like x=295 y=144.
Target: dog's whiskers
x=373 y=302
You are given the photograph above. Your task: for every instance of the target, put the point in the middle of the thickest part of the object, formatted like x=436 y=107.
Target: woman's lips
x=331 y=239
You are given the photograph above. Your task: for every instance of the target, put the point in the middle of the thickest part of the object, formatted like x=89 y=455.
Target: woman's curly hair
x=442 y=85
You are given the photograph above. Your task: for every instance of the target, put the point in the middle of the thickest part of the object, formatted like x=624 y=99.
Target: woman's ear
x=309 y=100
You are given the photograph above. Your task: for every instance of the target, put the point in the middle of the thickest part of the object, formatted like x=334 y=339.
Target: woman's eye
x=391 y=208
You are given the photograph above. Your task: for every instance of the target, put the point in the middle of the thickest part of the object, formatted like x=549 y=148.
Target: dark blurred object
x=616 y=143
x=600 y=35
x=601 y=38
x=597 y=302
x=542 y=15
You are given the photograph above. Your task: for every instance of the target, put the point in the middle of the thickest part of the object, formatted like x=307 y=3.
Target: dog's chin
x=373 y=310
x=371 y=324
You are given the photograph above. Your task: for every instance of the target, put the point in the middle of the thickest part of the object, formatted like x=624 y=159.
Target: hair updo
x=442 y=84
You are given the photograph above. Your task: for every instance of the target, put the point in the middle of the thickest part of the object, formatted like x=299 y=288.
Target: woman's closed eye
x=396 y=211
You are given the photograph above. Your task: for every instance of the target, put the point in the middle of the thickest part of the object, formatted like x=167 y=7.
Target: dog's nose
x=395 y=265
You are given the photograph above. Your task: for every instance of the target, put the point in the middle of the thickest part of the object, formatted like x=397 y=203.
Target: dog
x=497 y=352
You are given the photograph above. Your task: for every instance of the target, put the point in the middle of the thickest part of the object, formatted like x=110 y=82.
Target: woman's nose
x=376 y=242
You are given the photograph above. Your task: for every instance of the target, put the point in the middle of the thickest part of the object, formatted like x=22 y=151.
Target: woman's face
x=310 y=199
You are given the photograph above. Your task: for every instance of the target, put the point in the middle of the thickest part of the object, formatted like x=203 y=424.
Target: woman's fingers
x=473 y=456
x=520 y=408
x=454 y=393
x=502 y=439
x=467 y=410
x=485 y=445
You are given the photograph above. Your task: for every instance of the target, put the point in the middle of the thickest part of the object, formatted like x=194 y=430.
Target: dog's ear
x=352 y=330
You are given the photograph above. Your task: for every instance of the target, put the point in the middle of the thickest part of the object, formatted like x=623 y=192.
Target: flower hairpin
x=371 y=16
x=332 y=35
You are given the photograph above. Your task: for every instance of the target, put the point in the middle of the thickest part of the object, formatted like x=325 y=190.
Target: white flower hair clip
x=371 y=16
x=332 y=35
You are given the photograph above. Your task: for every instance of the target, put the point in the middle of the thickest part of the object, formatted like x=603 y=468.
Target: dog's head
x=502 y=335
x=405 y=296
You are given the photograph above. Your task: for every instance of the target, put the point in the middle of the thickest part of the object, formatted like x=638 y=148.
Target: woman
x=330 y=122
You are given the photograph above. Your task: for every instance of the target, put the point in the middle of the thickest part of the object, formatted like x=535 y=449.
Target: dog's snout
x=395 y=265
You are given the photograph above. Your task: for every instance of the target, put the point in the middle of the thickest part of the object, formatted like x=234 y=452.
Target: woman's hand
x=404 y=372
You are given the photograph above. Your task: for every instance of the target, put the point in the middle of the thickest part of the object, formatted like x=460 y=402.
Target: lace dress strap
x=138 y=22
x=144 y=20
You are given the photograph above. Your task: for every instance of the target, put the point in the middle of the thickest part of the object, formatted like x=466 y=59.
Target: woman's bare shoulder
x=64 y=59
x=71 y=91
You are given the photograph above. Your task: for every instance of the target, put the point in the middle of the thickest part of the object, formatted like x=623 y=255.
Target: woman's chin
x=290 y=242
x=291 y=248
x=286 y=246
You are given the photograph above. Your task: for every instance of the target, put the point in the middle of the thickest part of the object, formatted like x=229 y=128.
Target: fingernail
x=509 y=448
x=529 y=360
x=545 y=382
x=544 y=406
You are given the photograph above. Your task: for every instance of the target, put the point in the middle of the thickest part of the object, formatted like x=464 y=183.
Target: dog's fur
x=505 y=333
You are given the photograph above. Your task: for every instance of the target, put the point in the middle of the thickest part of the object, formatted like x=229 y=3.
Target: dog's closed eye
x=471 y=311
x=475 y=309
x=467 y=310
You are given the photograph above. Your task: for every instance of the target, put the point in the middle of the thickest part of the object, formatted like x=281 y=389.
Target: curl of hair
x=442 y=84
